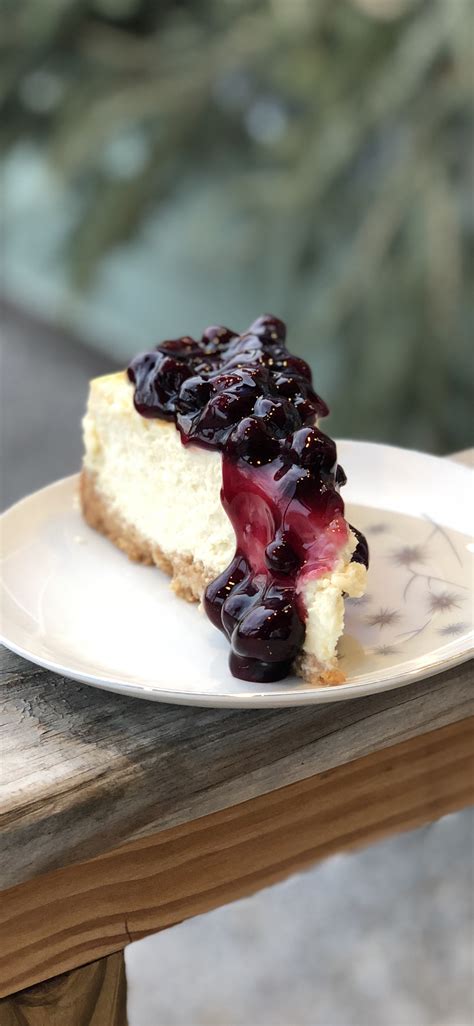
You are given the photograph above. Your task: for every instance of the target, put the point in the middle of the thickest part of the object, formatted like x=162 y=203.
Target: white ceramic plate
x=75 y=604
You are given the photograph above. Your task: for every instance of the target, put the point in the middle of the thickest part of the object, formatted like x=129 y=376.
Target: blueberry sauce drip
x=248 y=397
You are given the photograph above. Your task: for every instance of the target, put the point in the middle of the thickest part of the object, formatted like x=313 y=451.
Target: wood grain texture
x=84 y=771
x=94 y=995
x=86 y=911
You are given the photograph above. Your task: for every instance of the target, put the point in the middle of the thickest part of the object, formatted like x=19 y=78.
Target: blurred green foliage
x=342 y=133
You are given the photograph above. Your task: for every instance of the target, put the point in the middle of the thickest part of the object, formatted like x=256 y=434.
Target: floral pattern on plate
x=419 y=593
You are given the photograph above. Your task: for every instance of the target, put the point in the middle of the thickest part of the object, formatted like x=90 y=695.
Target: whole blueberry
x=269 y=328
x=310 y=448
x=271 y=632
x=194 y=393
x=251 y=441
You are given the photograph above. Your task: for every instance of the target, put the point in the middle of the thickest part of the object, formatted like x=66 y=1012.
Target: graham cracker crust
x=189 y=577
x=308 y=667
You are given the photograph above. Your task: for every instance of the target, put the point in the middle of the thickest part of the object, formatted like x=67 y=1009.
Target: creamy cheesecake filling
x=167 y=491
x=246 y=397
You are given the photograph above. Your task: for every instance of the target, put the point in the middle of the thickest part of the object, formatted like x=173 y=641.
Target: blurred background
x=166 y=164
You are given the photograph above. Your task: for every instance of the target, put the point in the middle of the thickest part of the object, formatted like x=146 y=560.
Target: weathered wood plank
x=94 y=995
x=68 y=917
x=84 y=771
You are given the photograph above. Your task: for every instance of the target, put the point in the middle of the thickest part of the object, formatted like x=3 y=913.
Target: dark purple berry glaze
x=248 y=397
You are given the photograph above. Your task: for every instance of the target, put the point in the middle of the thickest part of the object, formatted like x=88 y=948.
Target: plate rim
x=462 y=649
x=210 y=700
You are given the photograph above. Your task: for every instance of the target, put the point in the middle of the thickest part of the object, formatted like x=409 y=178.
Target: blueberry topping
x=361 y=551
x=271 y=631
x=280 y=557
x=341 y=478
x=249 y=397
x=309 y=447
x=251 y=441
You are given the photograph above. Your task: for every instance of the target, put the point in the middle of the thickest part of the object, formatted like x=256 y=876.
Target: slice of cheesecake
x=204 y=459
